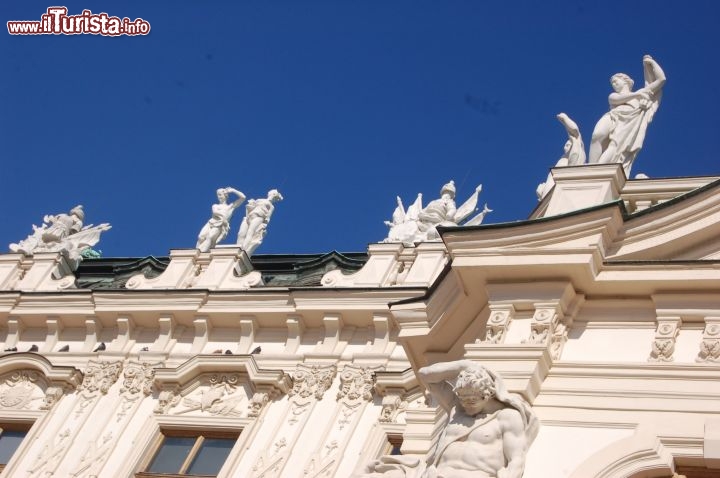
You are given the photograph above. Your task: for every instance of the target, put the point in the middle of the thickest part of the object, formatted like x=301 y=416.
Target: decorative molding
x=248 y=328
x=166 y=400
x=312 y=381
x=665 y=335
x=244 y=282
x=543 y=324
x=180 y=273
x=399 y=383
x=52 y=396
x=21 y=390
x=218 y=394
x=501 y=315
x=218 y=385
x=46 y=272
x=296 y=329
x=392 y=405
x=95 y=456
x=274 y=382
x=137 y=378
x=354 y=395
x=51 y=454
x=99 y=377
x=397 y=389
x=710 y=344
x=557 y=341
x=54 y=380
x=257 y=403
x=137 y=384
x=356 y=384
x=309 y=383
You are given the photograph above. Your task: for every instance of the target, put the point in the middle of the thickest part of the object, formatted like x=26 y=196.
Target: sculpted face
x=620 y=82
x=473 y=403
x=274 y=195
x=222 y=195
x=474 y=389
x=617 y=84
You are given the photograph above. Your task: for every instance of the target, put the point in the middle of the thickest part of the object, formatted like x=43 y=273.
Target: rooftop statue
x=419 y=224
x=62 y=233
x=573 y=153
x=487 y=433
x=218 y=226
x=620 y=133
x=257 y=217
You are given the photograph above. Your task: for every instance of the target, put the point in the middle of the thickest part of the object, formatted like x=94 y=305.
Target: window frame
x=158 y=426
x=15 y=425
x=378 y=442
x=394 y=440
x=199 y=436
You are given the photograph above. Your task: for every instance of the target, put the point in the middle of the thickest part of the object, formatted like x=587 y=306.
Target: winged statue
x=419 y=224
x=62 y=233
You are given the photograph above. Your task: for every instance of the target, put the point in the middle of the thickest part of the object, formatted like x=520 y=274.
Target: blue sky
x=342 y=105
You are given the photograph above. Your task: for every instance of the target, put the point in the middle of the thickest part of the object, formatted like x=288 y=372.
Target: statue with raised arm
x=620 y=133
x=419 y=224
x=257 y=217
x=62 y=233
x=218 y=226
x=573 y=153
x=487 y=433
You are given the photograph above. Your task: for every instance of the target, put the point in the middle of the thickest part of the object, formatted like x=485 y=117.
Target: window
x=394 y=443
x=190 y=454
x=10 y=438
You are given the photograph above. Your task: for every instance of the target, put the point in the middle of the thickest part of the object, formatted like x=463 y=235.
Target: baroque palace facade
x=602 y=311
x=583 y=342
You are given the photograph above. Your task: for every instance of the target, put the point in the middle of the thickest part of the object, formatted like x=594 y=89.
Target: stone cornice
x=68 y=377
x=274 y=380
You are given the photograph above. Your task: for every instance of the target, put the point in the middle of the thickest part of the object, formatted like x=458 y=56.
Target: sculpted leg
x=600 y=139
x=242 y=233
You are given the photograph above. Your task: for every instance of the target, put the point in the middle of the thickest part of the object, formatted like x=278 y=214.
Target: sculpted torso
x=438 y=210
x=477 y=454
x=487 y=434
x=222 y=212
x=262 y=209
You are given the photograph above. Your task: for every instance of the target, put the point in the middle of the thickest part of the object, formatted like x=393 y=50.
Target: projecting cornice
x=603 y=249
x=684 y=228
x=274 y=381
x=65 y=376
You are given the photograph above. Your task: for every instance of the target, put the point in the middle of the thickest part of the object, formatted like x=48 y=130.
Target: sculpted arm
x=515 y=443
x=240 y=195
x=570 y=126
x=654 y=75
x=435 y=378
x=617 y=99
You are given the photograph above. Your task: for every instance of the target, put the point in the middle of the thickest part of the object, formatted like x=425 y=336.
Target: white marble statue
x=620 y=133
x=257 y=216
x=573 y=153
x=419 y=224
x=218 y=226
x=62 y=233
x=487 y=433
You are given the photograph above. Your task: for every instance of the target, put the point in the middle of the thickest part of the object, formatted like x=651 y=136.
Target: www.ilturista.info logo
x=57 y=22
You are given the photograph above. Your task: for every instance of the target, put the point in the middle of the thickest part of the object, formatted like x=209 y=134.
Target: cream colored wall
x=559 y=450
